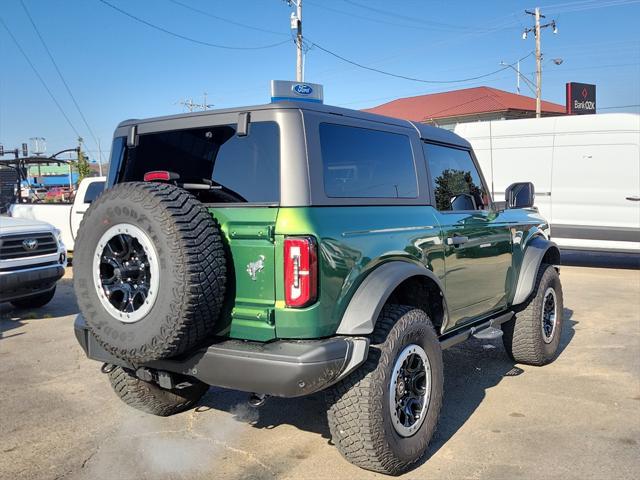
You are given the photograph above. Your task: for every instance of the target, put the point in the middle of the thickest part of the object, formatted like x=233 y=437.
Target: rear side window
x=365 y=163
x=455 y=179
x=93 y=190
x=214 y=163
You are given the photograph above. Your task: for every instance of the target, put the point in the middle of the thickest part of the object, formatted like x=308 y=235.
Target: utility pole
x=518 y=78
x=296 y=24
x=99 y=158
x=299 y=71
x=538 y=66
x=537 y=29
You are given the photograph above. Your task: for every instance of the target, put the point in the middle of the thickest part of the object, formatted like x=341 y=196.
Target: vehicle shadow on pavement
x=470 y=370
x=305 y=413
x=62 y=304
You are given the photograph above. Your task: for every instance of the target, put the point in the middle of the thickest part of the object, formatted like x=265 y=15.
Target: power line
x=414 y=79
x=184 y=37
x=66 y=85
x=500 y=26
x=227 y=20
x=44 y=84
x=580 y=6
x=368 y=19
x=414 y=19
x=620 y=106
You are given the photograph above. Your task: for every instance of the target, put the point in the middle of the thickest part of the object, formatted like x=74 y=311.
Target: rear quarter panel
x=352 y=241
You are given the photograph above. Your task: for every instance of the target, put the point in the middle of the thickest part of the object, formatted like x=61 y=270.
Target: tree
x=452 y=182
x=82 y=163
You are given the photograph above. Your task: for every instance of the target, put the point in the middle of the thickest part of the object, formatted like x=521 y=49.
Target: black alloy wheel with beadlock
x=149 y=271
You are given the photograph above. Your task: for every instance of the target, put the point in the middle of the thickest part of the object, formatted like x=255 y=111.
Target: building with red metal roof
x=446 y=109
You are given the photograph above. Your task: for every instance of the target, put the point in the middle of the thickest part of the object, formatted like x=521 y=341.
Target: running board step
x=489 y=333
x=487 y=330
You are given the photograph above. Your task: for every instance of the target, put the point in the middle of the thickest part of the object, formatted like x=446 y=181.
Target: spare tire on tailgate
x=149 y=271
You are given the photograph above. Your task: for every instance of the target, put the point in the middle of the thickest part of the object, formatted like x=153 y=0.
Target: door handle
x=634 y=199
x=457 y=240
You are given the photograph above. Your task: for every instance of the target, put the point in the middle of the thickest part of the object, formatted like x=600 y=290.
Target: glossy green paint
x=479 y=277
x=249 y=235
x=478 y=271
x=352 y=241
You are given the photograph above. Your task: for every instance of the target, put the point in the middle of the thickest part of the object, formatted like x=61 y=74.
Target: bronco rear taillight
x=300 y=271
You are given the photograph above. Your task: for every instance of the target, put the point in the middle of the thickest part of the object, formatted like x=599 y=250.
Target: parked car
x=294 y=247
x=58 y=194
x=65 y=217
x=33 y=194
x=585 y=169
x=32 y=259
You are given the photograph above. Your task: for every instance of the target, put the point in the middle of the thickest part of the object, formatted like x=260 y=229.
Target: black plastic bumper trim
x=283 y=368
x=20 y=283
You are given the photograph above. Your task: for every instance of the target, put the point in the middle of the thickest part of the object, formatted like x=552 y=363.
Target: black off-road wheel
x=149 y=271
x=35 y=301
x=150 y=398
x=383 y=415
x=533 y=336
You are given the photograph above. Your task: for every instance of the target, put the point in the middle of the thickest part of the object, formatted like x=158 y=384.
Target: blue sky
x=118 y=68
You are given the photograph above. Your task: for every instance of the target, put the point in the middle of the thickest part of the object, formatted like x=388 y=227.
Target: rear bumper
x=15 y=284
x=283 y=368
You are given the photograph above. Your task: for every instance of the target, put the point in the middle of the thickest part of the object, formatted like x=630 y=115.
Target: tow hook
x=256 y=400
x=107 y=368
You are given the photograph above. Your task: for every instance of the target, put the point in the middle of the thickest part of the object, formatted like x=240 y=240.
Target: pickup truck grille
x=22 y=245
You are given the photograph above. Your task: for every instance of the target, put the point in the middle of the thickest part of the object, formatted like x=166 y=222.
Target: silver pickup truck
x=32 y=259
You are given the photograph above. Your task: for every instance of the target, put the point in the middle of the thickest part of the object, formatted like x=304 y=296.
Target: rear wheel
x=35 y=301
x=533 y=336
x=150 y=398
x=383 y=415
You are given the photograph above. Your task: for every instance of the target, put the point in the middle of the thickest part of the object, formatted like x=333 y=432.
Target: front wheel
x=533 y=336
x=383 y=415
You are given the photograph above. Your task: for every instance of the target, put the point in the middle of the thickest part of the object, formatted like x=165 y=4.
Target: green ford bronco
x=294 y=247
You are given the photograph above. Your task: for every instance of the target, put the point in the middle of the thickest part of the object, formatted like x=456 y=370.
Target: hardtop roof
x=426 y=132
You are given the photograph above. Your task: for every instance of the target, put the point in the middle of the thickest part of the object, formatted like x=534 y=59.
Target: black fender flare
x=364 y=308
x=535 y=251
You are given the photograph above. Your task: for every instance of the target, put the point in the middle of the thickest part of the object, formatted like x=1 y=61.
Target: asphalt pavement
x=577 y=418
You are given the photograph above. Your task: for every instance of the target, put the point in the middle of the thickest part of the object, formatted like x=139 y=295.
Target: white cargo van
x=585 y=169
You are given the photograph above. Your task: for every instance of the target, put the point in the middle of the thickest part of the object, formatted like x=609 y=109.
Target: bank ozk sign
x=581 y=98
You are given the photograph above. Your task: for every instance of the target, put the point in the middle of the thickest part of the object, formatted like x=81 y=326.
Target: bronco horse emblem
x=254 y=267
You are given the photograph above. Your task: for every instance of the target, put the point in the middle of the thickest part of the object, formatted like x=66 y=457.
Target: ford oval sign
x=302 y=89
x=287 y=91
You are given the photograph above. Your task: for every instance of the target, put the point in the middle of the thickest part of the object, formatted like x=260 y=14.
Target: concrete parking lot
x=578 y=418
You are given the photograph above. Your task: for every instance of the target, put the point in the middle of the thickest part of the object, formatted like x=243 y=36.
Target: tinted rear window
x=365 y=163
x=93 y=191
x=239 y=169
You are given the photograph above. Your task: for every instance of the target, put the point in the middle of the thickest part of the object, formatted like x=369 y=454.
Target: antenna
x=191 y=106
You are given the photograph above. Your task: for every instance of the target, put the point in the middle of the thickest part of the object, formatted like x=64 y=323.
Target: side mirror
x=520 y=195
x=464 y=201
